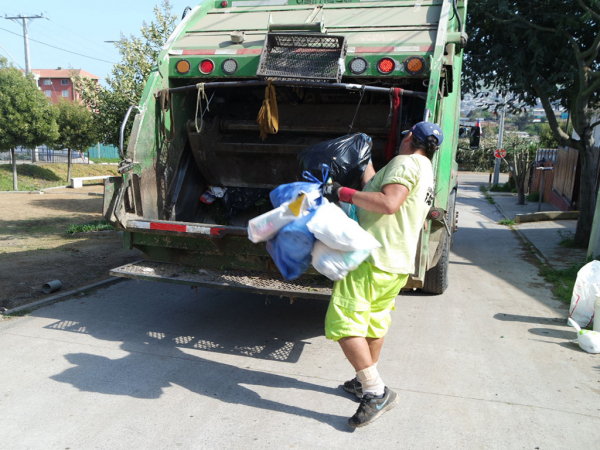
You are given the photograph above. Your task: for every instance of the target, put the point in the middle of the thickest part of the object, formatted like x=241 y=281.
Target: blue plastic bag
x=289 y=192
x=291 y=248
x=350 y=210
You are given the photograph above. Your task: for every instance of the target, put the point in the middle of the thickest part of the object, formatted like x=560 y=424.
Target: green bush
x=533 y=197
x=96 y=225
x=504 y=188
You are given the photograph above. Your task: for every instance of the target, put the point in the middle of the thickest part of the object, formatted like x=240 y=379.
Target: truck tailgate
x=245 y=280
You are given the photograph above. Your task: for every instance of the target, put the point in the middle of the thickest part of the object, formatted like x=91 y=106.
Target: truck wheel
x=436 y=278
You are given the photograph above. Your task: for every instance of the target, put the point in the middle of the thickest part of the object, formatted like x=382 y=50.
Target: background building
x=56 y=84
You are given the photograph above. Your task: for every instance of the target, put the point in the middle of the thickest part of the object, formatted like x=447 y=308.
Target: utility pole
x=24 y=19
x=500 y=139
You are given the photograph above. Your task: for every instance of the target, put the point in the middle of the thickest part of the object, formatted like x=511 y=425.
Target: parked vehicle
x=334 y=65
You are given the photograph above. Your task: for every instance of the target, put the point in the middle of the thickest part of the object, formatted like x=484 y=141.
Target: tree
x=26 y=117
x=546 y=50
x=125 y=85
x=479 y=114
x=480 y=159
x=520 y=155
x=522 y=120
x=547 y=137
x=76 y=128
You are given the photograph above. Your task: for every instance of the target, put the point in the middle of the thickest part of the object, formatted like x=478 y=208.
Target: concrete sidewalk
x=490 y=364
x=546 y=235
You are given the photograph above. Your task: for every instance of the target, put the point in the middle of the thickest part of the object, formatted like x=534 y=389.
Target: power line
x=11 y=57
x=76 y=34
x=58 y=48
x=24 y=20
x=56 y=37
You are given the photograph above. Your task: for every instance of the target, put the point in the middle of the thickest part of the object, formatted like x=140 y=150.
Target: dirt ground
x=35 y=249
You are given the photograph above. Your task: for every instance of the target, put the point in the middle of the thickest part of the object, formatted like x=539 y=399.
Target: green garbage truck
x=336 y=66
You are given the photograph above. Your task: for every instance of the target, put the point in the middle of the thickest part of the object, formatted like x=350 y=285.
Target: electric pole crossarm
x=24 y=20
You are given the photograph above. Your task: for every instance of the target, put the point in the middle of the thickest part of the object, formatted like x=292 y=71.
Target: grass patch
x=507 y=222
x=487 y=195
x=33 y=177
x=96 y=225
x=21 y=313
x=568 y=240
x=105 y=160
x=504 y=188
x=562 y=279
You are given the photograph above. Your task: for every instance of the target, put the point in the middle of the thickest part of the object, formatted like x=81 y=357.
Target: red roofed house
x=56 y=84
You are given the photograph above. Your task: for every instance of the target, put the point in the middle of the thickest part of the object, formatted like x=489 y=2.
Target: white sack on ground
x=587 y=286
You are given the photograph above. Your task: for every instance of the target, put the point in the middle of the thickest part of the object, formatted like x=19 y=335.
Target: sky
x=80 y=26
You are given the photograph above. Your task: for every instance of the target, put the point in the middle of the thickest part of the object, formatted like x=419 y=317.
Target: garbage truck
x=336 y=67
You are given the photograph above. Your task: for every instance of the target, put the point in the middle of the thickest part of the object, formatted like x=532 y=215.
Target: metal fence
x=46 y=154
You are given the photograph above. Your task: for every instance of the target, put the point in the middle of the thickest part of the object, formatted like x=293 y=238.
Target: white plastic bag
x=336 y=230
x=589 y=341
x=587 y=286
x=335 y=264
x=267 y=225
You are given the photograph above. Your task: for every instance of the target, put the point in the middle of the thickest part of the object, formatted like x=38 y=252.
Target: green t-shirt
x=399 y=233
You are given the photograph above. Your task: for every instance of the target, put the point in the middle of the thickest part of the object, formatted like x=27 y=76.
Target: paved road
x=487 y=365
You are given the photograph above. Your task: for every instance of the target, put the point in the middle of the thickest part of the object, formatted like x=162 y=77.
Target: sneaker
x=372 y=407
x=354 y=387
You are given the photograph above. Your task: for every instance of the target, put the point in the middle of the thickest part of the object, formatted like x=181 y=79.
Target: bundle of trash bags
x=304 y=229
x=346 y=156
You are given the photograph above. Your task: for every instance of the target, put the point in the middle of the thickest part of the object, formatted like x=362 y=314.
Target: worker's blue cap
x=422 y=130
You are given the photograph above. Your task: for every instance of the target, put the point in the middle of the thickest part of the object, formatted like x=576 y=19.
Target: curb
x=546 y=216
x=538 y=254
x=21 y=192
x=56 y=298
x=55 y=187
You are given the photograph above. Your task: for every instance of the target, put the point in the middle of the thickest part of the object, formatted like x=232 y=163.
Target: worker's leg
x=375 y=345
x=357 y=351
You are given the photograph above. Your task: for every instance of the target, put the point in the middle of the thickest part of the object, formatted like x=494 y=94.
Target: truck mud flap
x=242 y=280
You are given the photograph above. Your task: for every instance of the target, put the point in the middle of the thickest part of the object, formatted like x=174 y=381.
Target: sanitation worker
x=392 y=207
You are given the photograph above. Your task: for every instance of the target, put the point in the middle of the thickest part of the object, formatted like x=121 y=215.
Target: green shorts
x=361 y=303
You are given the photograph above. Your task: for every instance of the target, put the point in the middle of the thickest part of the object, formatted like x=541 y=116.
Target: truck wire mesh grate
x=303 y=57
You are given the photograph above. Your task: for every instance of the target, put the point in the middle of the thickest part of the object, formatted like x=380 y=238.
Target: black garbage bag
x=238 y=199
x=346 y=156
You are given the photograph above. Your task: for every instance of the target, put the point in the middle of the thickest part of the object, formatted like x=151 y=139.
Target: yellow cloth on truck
x=268 y=116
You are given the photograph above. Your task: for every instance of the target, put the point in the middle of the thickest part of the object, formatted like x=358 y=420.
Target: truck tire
x=436 y=278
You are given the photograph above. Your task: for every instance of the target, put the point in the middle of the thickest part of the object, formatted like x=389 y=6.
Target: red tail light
x=386 y=65
x=206 y=66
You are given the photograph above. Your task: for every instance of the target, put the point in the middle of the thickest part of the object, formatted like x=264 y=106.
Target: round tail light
x=414 y=65
x=386 y=65
x=206 y=66
x=229 y=66
x=358 y=65
x=182 y=66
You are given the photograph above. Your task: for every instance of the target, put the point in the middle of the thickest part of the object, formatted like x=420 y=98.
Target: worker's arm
x=388 y=201
x=369 y=173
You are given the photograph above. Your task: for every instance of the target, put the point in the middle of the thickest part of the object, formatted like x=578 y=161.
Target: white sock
x=356 y=376
x=371 y=381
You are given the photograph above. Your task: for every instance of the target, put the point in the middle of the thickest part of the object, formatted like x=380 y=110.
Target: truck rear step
x=244 y=280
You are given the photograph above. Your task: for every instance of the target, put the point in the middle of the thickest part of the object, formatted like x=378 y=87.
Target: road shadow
x=42 y=226
x=167 y=332
x=86 y=204
x=531 y=319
